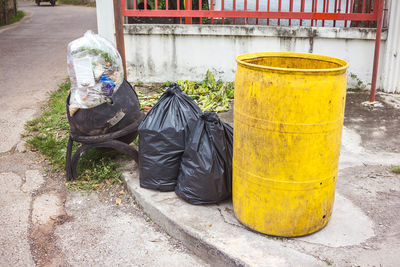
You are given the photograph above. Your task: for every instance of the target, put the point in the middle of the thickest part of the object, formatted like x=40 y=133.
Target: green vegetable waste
x=83 y=51
x=210 y=94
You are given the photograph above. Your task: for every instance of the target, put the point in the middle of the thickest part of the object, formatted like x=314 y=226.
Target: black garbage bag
x=108 y=117
x=162 y=139
x=205 y=176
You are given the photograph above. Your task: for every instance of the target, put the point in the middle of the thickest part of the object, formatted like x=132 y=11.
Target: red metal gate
x=336 y=13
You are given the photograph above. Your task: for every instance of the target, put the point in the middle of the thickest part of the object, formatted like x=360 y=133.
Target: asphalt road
x=41 y=223
x=33 y=61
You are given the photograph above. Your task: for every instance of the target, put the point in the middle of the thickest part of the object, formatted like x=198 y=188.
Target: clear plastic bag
x=95 y=69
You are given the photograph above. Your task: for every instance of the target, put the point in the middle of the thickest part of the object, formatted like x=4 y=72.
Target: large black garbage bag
x=205 y=176
x=162 y=139
x=108 y=117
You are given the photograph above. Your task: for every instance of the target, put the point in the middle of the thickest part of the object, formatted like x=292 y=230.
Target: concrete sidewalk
x=364 y=229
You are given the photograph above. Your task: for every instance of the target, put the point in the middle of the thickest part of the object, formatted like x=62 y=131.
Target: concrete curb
x=191 y=240
x=212 y=232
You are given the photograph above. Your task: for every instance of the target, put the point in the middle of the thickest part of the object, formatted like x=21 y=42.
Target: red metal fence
x=264 y=12
x=336 y=13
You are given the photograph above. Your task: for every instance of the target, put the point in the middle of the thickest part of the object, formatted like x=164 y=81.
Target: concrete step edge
x=200 y=247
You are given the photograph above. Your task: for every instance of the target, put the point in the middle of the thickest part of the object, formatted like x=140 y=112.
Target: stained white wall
x=157 y=53
x=173 y=52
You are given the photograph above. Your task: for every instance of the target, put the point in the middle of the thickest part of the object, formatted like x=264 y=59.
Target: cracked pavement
x=363 y=229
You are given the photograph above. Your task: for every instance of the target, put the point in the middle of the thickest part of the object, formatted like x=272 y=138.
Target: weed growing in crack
x=395 y=169
x=328 y=261
x=359 y=86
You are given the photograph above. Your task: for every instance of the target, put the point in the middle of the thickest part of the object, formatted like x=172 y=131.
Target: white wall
x=105 y=19
x=390 y=62
x=172 y=52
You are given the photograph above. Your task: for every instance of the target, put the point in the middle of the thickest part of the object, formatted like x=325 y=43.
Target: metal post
x=119 y=33
x=188 y=6
x=379 y=6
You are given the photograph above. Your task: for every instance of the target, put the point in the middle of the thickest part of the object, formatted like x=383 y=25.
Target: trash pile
x=95 y=69
x=183 y=149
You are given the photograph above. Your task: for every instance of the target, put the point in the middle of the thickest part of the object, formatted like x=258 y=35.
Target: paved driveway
x=41 y=223
x=33 y=61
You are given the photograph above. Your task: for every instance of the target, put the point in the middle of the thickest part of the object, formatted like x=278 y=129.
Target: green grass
x=77 y=2
x=49 y=134
x=395 y=169
x=99 y=170
x=16 y=18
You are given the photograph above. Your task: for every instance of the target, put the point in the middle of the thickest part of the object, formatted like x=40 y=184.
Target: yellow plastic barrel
x=288 y=117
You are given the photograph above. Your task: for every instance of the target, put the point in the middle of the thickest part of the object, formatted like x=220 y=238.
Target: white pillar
x=105 y=19
x=391 y=60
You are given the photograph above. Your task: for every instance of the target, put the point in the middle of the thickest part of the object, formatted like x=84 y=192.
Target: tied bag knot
x=173 y=90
